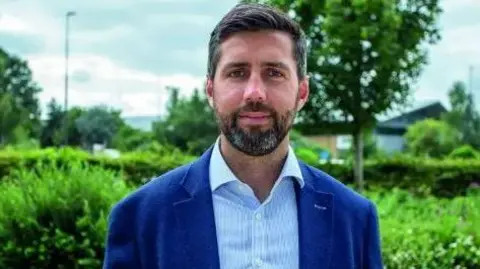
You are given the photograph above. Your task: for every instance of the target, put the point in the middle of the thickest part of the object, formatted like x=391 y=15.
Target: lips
x=254 y=115
x=254 y=118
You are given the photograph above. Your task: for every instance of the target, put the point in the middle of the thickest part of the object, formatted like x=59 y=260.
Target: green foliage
x=307 y=155
x=18 y=97
x=53 y=217
x=98 y=125
x=56 y=218
x=52 y=133
x=190 y=124
x=464 y=152
x=428 y=232
x=464 y=115
x=137 y=167
x=431 y=138
x=130 y=139
x=444 y=178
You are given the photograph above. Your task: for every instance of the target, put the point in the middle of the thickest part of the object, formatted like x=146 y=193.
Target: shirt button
x=258 y=216
x=258 y=262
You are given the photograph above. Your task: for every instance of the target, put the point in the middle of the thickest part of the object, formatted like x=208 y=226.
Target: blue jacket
x=168 y=223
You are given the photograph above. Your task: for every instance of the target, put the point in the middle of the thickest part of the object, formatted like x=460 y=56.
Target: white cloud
x=12 y=24
x=135 y=92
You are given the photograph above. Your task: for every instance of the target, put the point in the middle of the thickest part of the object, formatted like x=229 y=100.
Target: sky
x=123 y=53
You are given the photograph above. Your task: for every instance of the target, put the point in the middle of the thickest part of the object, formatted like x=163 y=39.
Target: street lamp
x=68 y=15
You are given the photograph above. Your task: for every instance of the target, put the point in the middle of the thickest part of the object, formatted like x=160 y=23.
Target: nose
x=255 y=90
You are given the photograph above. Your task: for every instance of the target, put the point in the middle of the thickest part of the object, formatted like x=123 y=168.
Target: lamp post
x=68 y=15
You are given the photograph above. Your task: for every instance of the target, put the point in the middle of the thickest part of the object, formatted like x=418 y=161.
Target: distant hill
x=141 y=122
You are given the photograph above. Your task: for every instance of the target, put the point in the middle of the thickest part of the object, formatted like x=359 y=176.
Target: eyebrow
x=245 y=64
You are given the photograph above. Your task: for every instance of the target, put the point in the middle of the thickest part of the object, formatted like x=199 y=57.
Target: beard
x=255 y=141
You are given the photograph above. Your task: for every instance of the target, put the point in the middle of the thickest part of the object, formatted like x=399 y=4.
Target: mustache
x=256 y=107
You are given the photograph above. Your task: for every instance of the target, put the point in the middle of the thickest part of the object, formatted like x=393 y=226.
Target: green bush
x=464 y=152
x=431 y=138
x=428 y=232
x=307 y=155
x=448 y=178
x=137 y=167
x=56 y=218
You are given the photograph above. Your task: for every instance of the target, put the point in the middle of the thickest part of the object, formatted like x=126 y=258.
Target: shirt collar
x=221 y=174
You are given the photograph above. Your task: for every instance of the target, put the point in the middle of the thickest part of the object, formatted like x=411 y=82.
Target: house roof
x=426 y=109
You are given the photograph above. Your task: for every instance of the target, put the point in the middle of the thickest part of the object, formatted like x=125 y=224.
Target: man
x=247 y=202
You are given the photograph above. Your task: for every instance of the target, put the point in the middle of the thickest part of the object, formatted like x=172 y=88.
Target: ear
x=303 y=92
x=209 y=91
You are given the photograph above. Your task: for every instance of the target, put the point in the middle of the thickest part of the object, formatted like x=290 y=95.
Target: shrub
x=431 y=138
x=428 y=232
x=464 y=152
x=56 y=218
x=137 y=167
x=307 y=155
x=422 y=176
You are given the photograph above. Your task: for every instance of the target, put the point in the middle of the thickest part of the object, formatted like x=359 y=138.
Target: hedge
x=443 y=178
x=55 y=218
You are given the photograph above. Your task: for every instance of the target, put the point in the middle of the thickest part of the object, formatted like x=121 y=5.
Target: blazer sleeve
x=120 y=247
x=373 y=251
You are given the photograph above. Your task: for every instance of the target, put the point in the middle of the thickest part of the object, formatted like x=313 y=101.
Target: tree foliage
x=98 y=124
x=464 y=115
x=18 y=98
x=364 y=57
x=189 y=124
x=128 y=138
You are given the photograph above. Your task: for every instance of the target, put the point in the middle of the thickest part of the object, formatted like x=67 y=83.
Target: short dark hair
x=254 y=17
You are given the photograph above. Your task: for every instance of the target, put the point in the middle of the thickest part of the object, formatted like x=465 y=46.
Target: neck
x=260 y=173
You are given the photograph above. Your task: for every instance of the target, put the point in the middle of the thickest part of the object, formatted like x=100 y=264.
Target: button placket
x=258 y=237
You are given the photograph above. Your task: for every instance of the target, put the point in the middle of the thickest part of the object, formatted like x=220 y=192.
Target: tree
x=16 y=80
x=98 y=125
x=51 y=131
x=463 y=115
x=364 y=56
x=431 y=138
x=60 y=127
x=128 y=138
x=189 y=125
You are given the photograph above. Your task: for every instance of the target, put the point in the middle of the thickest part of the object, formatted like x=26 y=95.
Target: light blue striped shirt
x=252 y=234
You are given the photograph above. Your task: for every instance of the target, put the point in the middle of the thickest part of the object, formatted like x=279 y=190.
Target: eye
x=272 y=72
x=237 y=73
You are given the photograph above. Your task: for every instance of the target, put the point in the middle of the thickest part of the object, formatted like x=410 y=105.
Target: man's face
x=256 y=91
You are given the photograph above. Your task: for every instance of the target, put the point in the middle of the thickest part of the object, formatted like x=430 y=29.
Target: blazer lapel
x=315 y=216
x=195 y=216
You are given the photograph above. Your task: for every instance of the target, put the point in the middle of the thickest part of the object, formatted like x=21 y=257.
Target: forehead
x=257 y=47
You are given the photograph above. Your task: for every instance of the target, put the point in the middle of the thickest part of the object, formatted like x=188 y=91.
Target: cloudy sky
x=124 y=52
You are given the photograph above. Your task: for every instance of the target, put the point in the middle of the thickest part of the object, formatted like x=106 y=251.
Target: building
x=388 y=133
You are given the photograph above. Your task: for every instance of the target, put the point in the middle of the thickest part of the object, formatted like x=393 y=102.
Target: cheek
x=283 y=102
x=227 y=101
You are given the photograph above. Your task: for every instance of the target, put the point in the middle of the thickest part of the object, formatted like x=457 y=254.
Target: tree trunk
x=358 y=166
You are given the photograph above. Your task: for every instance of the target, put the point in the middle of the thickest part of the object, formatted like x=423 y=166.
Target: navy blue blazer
x=168 y=223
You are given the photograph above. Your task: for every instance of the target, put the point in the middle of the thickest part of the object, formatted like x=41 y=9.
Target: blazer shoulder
x=159 y=190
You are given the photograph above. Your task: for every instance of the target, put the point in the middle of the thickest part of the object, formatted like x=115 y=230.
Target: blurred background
x=99 y=97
